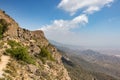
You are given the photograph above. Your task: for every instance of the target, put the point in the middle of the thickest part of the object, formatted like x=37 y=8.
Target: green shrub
x=3 y=27
x=13 y=43
x=19 y=52
x=45 y=55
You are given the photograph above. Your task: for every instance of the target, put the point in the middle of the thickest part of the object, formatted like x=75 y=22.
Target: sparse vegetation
x=8 y=71
x=13 y=44
x=45 y=55
x=19 y=52
x=1 y=44
x=3 y=27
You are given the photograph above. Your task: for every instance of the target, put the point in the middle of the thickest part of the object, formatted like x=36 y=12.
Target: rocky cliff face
x=31 y=56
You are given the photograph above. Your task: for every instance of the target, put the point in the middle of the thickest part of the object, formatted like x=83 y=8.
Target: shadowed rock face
x=34 y=41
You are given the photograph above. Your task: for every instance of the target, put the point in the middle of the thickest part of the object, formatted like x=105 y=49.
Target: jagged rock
x=32 y=68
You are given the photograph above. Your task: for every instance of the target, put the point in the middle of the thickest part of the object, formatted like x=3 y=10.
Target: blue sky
x=78 y=22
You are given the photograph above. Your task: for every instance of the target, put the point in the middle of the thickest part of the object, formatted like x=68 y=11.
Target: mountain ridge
x=32 y=57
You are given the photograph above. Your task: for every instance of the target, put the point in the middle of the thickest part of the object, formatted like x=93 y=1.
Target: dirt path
x=3 y=63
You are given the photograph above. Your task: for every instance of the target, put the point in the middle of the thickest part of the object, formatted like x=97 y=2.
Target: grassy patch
x=45 y=55
x=14 y=44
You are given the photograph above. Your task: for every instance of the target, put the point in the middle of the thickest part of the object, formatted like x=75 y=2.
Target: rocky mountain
x=27 y=55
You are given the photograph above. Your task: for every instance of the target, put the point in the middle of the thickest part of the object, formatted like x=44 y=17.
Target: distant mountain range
x=86 y=62
x=73 y=47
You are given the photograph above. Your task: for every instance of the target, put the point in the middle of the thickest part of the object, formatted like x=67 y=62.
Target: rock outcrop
x=41 y=60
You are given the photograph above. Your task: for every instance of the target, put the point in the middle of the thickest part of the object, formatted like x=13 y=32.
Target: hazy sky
x=94 y=23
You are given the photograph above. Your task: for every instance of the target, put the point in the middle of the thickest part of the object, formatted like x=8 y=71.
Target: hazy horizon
x=92 y=23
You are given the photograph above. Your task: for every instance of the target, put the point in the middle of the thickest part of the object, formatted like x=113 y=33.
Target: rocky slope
x=32 y=57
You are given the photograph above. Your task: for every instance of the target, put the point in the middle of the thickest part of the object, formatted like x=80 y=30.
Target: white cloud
x=66 y=25
x=60 y=30
x=88 y=6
